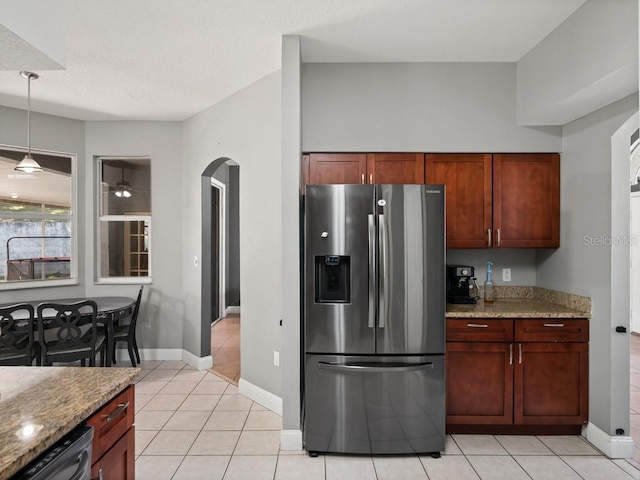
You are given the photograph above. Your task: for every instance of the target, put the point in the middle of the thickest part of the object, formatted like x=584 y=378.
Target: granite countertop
x=50 y=401
x=525 y=302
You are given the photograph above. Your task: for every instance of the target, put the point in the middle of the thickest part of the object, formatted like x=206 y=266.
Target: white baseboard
x=232 y=311
x=291 y=440
x=618 y=446
x=261 y=396
x=200 y=363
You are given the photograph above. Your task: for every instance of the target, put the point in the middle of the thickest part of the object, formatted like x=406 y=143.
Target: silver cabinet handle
x=372 y=269
x=488 y=237
x=511 y=354
x=383 y=292
x=362 y=179
x=476 y=325
x=557 y=325
x=355 y=367
x=498 y=237
x=116 y=413
x=520 y=353
x=371 y=178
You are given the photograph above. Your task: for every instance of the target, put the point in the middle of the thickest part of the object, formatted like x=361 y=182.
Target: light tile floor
x=195 y=425
x=225 y=347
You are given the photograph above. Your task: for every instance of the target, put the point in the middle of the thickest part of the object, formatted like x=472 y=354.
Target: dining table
x=110 y=311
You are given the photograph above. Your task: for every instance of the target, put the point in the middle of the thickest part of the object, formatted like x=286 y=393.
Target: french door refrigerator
x=374 y=310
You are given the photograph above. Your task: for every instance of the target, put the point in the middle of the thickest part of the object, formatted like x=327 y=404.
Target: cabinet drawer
x=119 y=461
x=111 y=422
x=479 y=330
x=552 y=330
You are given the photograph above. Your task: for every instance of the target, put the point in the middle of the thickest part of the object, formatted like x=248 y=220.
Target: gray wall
x=589 y=61
x=245 y=128
x=416 y=107
x=233 y=244
x=582 y=267
x=60 y=135
x=163 y=315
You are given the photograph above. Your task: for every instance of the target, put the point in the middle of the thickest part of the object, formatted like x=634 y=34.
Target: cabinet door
x=467 y=177
x=526 y=200
x=551 y=384
x=119 y=461
x=395 y=168
x=337 y=168
x=479 y=383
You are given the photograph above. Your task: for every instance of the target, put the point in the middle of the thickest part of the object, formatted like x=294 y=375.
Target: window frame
x=73 y=218
x=100 y=219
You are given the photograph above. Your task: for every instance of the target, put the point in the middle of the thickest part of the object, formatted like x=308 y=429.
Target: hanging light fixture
x=28 y=164
x=123 y=189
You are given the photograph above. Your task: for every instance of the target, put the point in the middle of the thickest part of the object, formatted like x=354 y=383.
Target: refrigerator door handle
x=383 y=293
x=368 y=368
x=372 y=271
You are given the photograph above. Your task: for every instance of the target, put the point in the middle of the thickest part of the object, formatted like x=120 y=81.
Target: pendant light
x=28 y=164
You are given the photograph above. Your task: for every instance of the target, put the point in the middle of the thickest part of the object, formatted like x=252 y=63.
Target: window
x=124 y=220
x=37 y=224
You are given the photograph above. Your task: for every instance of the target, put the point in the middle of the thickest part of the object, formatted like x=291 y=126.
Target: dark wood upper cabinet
x=337 y=168
x=526 y=200
x=499 y=200
x=467 y=177
x=395 y=168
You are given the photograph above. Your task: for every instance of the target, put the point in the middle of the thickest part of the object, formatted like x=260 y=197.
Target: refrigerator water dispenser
x=333 y=279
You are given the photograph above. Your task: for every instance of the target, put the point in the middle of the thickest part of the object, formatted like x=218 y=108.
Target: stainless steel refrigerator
x=374 y=310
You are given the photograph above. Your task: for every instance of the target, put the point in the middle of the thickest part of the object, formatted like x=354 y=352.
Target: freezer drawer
x=374 y=404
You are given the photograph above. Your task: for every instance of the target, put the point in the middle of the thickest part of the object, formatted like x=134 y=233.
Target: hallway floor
x=194 y=425
x=225 y=347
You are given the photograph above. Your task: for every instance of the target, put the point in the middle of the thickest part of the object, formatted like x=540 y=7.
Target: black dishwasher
x=68 y=459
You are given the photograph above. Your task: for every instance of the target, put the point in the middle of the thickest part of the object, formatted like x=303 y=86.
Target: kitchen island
x=39 y=405
x=518 y=365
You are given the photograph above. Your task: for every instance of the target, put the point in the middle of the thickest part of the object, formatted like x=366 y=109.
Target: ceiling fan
x=123 y=188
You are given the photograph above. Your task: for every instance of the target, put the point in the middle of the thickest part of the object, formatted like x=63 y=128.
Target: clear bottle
x=488 y=285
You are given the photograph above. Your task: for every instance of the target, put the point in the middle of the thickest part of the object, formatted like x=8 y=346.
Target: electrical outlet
x=276 y=358
x=506 y=274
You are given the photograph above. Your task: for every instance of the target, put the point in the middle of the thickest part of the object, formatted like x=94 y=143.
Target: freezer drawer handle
x=368 y=368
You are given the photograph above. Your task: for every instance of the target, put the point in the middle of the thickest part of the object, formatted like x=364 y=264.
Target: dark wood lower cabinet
x=479 y=383
x=550 y=384
x=518 y=386
x=113 y=447
x=118 y=463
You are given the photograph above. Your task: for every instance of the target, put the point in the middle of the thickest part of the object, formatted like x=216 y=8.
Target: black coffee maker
x=460 y=279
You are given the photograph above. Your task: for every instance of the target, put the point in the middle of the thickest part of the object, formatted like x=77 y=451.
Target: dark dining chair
x=16 y=335
x=127 y=333
x=61 y=335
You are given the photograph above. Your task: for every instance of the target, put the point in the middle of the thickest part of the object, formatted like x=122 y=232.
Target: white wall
x=580 y=265
x=589 y=61
x=246 y=128
x=163 y=317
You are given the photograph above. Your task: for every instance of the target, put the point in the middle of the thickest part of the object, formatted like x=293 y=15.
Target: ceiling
x=168 y=59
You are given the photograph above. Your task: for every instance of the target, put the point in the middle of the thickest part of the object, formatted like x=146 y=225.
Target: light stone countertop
x=525 y=302
x=54 y=400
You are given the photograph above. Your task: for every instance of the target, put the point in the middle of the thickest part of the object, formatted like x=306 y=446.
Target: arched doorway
x=221 y=266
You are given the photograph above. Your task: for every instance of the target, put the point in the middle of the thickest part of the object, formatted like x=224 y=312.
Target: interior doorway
x=220 y=321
